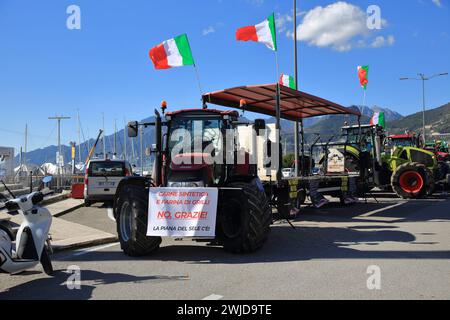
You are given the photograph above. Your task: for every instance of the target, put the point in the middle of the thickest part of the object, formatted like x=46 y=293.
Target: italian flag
x=378 y=119
x=264 y=32
x=287 y=81
x=175 y=52
x=363 y=74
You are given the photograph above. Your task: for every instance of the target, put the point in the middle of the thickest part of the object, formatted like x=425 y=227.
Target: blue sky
x=47 y=69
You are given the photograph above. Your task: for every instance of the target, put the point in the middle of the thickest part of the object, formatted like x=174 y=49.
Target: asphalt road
x=327 y=256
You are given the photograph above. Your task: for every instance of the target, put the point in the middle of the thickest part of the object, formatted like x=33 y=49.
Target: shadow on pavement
x=286 y=244
x=408 y=211
x=52 y=288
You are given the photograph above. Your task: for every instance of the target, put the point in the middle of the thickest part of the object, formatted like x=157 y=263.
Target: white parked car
x=102 y=179
x=288 y=173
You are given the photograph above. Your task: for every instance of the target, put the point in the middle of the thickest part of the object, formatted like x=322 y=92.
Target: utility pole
x=133 y=152
x=124 y=140
x=26 y=148
x=59 y=182
x=103 y=139
x=142 y=151
x=115 y=139
x=79 y=136
x=424 y=78
x=298 y=124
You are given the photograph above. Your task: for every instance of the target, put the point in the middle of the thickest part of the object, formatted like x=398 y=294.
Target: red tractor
x=244 y=215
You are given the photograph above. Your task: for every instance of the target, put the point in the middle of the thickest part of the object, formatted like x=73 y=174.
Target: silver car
x=102 y=179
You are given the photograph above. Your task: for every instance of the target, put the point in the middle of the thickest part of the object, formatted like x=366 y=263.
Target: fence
x=34 y=181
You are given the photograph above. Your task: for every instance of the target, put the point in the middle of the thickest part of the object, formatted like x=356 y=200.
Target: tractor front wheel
x=132 y=220
x=244 y=222
x=410 y=181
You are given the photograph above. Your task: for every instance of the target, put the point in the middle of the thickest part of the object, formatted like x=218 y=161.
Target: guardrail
x=66 y=181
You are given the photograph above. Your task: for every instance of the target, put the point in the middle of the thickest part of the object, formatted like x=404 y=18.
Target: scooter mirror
x=133 y=129
x=47 y=179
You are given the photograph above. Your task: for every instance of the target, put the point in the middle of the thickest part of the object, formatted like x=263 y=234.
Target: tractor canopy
x=294 y=105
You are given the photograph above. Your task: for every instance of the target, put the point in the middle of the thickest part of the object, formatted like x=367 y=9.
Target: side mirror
x=151 y=150
x=47 y=179
x=260 y=124
x=133 y=129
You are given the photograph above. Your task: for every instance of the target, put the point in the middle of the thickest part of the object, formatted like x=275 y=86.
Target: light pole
x=59 y=180
x=424 y=78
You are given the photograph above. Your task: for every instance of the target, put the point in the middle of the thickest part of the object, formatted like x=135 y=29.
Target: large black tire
x=87 y=203
x=46 y=262
x=431 y=182
x=410 y=181
x=132 y=220
x=244 y=221
x=283 y=204
x=443 y=168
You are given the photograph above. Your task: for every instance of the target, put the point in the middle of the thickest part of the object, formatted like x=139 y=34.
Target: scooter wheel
x=46 y=262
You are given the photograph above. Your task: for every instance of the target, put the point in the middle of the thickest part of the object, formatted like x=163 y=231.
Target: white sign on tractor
x=182 y=212
x=336 y=161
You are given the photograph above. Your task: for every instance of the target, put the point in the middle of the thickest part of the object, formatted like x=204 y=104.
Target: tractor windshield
x=356 y=135
x=195 y=135
x=403 y=142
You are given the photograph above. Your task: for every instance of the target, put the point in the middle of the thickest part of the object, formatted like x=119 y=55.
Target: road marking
x=368 y=214
x=213 y=297
x=86 y=251
x=111 y=214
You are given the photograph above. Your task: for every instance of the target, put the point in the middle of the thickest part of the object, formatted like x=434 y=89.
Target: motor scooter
x=31 y=245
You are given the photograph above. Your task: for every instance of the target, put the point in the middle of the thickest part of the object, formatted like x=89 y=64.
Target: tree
x=288 y=160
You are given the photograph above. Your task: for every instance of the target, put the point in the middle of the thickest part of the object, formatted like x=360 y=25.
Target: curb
x=55 y=199
x=86 y=244
x=62 y=213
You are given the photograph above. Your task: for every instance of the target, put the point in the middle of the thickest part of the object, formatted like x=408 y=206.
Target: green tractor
x=411 y=172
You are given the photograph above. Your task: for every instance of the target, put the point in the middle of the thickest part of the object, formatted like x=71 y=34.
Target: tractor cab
x=198 y=147
x=408 y=139
x=196 y=143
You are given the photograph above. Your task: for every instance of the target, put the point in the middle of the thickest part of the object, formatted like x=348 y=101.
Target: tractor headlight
x=174 y=184
x=196 y=184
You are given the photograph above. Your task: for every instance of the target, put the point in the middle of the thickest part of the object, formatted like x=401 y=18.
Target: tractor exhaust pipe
x=378 y=147
x=158 y=159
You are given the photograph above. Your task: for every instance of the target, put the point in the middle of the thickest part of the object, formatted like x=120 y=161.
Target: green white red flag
x=378 y=119
x=287 y=81
x=363 y=74
x=174 y=52
x=264 y=32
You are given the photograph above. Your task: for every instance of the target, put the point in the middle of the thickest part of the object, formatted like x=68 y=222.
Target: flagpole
x=278 y=118
x=198 y=80
x=364 y=98
x=196 y=70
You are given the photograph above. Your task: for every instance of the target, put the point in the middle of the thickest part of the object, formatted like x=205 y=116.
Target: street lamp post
x=424 y=78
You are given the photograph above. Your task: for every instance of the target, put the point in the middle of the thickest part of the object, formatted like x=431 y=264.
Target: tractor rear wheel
x=244 y=222
x=431 y=182
x=410 y=180
x=132 y=220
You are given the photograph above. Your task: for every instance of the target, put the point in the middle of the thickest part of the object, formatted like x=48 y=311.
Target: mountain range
x=326 y=126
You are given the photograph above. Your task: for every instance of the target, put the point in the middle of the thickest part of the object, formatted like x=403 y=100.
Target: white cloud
x=333 y=26
x=341 y=26
x=208 y=30
x=438 y=3
x=381 y=41
x=284 y=21
x=257 y=3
